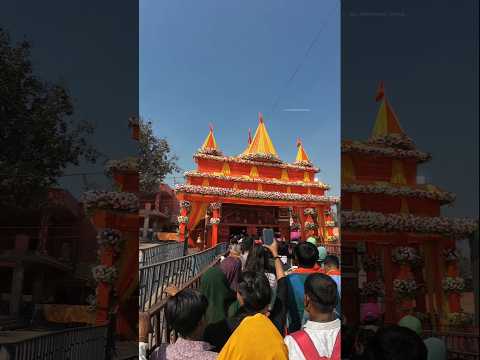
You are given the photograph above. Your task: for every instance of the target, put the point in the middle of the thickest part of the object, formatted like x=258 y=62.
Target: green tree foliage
x=38 y=137
x=156 y=161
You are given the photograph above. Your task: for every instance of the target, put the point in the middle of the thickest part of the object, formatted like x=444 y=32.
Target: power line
x=300 y=65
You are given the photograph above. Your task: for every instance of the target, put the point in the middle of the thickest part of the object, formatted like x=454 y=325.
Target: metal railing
x=160 y=332
x=154 y=278
x=73 y=344
x=161 y=252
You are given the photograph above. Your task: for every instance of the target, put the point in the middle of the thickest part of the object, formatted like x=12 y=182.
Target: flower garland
x=241 y=160
x=182 y=219
x=329 y=223
x=389 y=189
x=133 y=121
x=373 y=288
x=253 y=194
x=246 y=178
x=295 y=226
x=110 y=200
x=107 y=274
x=450 y=255
x=209 y=151
x=459 y=319
x=185 y=204
x=92 y=303
x=310 y=211
x=332 y=238
x=405 y=288
x=129 y=164
x=304 y=163
x=216 y=206
x=360 y=147
x=110 y=237
x=214 y=221
x=453 y=284
x=406 y=255
x=371 y=263
x=393 y=140
x=407 y=222
x=262 y=157
x=310 y=226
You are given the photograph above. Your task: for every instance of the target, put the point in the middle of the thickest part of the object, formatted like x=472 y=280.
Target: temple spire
x=210 y=143
x=302 y=157
x=261 y=142
x=386 y=122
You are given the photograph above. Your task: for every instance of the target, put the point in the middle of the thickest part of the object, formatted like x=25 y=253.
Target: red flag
x=380 y=92
x=299 y=142
x=260 y=117
x=249 y=136
x=210 y=125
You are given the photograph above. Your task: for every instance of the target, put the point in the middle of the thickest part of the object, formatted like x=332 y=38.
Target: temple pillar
x=215 y=221
x=104 y=289
x=16 y=293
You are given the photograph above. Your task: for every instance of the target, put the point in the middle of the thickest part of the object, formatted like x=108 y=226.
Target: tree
x=155 y=161
x=38 y=137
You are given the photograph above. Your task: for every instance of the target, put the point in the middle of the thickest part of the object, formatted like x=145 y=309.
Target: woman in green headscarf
x=215 y=287
x=435 y=346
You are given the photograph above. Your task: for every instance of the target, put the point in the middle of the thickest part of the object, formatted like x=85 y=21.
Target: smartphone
x=267 y=236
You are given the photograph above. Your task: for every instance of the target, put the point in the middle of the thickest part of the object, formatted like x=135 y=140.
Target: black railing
x=73 y=344
x=161 y=252
x=154 y=278
x=460 y=345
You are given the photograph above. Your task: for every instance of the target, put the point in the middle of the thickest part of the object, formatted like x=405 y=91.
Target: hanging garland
x=450 y=255
x=182 y=219
x=405 y=288
x=110 y=200
x=459 y=319
x=371 y=263
x=262 y=157
x=214 y=221
x=329 y=223
x=310 y=226
x=369 y=220
x=129 y=164
x=106 y=274
x=393 y=140
x=259 y=180
x=406 y=255
x=185 y=204
x=253 y=194
x=403 y=191
x=359 y=147
x=216 y=206
x=453 y=284
x=110 y=237
x=209 y=151
x=373 y=289
x=310 y=211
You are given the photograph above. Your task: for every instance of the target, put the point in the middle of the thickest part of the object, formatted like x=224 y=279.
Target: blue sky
x=223 y=62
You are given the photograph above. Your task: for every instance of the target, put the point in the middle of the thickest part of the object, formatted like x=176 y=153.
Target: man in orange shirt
x=332 y=269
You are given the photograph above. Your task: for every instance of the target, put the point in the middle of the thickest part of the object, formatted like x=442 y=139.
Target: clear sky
x=223 y=62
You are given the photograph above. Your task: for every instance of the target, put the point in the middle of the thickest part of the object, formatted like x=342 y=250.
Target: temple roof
x=302 y=157
x=210 y=142
x=261 y=144
x=386 y=122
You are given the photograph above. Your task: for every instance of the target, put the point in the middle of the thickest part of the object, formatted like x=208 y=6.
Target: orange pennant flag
x=380 y=92
x=249 y=136
x=260 y=117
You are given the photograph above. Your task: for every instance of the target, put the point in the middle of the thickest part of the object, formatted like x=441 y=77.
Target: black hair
x=348 y=334
x=184 y=311
x=306 y=254
x=247 y=243
x=258 y=260
x=255 y=291
x=396 y=343
x=322 y=291
x=332 y=260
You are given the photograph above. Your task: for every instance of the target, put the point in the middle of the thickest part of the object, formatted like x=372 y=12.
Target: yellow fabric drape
x=254 y=172
x=210 y=142
x=261 y=142
x=289 y=189
x=197 y=213
x=260 y=187
x=356 y=206
x=301 y=154
x=348 y=170
x=285 y=175
x=205 y=182
x=386 y=122
x=226 y=169
x=306 y=177
x=398 y=175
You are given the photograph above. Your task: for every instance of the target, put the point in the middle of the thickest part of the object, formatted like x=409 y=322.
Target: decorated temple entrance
x=228 y=195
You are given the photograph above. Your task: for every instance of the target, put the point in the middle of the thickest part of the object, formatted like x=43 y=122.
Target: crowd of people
x=255 y=305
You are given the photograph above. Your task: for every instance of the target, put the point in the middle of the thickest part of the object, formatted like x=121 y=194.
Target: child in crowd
x=332 y=268
x=185 y=313
x=320 y=337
